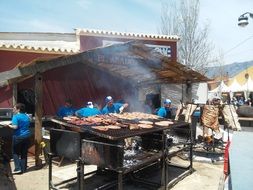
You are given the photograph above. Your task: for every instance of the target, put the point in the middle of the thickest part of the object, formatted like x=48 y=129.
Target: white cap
x=167 y=101
x=89 y=105
x=108 y=99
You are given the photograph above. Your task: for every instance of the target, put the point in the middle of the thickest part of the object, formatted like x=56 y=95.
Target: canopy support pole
x=38 y=118
x=14 y=94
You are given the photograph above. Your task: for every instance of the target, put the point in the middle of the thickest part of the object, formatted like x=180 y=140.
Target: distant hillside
x=231 y=69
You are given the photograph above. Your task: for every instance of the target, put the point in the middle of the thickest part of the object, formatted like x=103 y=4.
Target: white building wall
x=200 y=92
x=173 y=92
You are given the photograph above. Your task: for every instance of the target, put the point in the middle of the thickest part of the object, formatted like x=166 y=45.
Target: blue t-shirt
x=196 y=113
x=21 y=120
x=66 y=111
x=86 y=112
x=113 y=109
x=164 y=112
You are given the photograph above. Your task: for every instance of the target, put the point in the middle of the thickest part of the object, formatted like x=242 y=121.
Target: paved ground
x=206 y=176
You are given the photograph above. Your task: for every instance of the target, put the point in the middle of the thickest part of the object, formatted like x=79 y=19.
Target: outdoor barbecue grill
x=67 y=144
x=106 y=148
x=179 y=143
x=6 y=132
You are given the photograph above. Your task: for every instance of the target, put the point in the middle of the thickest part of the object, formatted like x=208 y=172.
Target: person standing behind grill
x=112 y=107
x=148 y=107
x=21 y=138
x=67 y=109
x=87 y=111
x=165 y=111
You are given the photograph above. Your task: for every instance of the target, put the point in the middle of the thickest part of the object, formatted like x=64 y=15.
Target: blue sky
x=142 y=16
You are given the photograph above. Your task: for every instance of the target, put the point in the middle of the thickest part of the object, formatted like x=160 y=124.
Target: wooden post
x=14 y=94
x=38 y=119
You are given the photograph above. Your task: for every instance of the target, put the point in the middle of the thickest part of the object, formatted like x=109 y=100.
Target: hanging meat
x=210 y=117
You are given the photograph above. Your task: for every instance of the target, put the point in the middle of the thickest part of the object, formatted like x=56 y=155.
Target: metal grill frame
x=115 y=137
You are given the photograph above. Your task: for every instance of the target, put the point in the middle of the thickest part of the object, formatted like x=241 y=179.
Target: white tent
x=248 y=86
x=221 y=88
x=235 y=87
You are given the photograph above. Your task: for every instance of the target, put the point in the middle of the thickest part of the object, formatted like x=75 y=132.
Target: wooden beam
x=38 y=118
x=184 y=70
x=7 y=75
x=19 y=79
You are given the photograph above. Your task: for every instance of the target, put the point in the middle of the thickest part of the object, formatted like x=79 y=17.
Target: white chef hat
x=89 y=105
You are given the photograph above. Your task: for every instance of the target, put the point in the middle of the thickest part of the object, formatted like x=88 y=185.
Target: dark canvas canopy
x=115 y=70
x=130 y=61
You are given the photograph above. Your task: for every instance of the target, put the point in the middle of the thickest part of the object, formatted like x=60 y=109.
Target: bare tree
x=181 y=18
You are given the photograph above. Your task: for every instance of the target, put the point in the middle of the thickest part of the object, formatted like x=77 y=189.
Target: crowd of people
x=90 y=110
x=21 y=123
x=111 y=107
x=240 y=101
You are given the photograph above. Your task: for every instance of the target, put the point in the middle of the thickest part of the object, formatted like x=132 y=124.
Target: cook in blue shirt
x=165 y=111
x=112 y=107
x=66 y=110
x=87 y=111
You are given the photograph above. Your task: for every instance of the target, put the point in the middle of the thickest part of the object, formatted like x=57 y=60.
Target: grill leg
x=228 y=134
x=213 y=144
x=191 y=154
x=50 y=181
x=80 y=174
x=49 y=171
x=164 y=168
x=120 y=180
x=78 y=165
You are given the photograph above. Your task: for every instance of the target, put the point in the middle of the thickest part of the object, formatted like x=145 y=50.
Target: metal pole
x=49 y=171
x=120 y=180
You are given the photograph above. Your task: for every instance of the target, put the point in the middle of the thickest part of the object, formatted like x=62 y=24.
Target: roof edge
x=95 y=32
x=43 y=36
